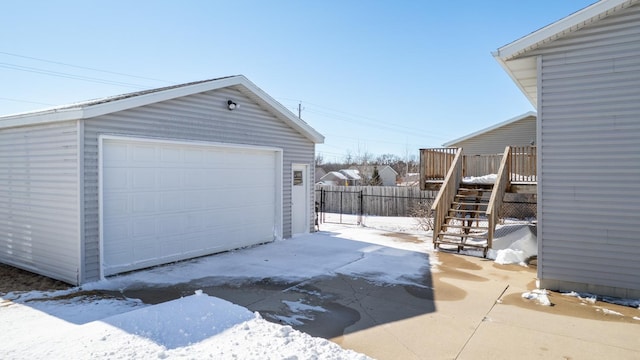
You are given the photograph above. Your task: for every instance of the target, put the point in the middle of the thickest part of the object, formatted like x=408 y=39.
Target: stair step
x=472 y=198
x=476 y=187
x=484 y=228
x=468 y=211
x=484 y=203
x=465 y=218
x=466 y=236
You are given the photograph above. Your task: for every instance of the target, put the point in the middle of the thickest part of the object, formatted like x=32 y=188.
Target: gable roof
x=97 y=107
x=491 y=128
x=368 y=169
x=523 y=70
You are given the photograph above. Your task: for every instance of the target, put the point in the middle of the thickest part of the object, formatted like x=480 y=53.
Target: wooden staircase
x=466 y=223
x=466 y=215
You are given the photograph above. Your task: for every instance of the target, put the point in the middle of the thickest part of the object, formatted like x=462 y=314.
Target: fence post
x=361 y=212
x=340 y=207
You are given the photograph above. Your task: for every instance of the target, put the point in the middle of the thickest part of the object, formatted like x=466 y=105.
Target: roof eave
x=505 y=66
x=93 y=110
x=519 y=49
x=568 y=24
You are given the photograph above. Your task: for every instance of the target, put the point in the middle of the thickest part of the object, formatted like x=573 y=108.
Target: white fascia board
x=286 y=114
x=491 y=128
x=563 y=26
x=44 y=117
x=90 y=111
x=155 y=97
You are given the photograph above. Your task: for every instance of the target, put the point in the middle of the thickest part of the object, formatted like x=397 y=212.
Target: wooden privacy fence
x=372 y=200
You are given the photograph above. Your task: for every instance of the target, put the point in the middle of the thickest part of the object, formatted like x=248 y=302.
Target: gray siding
x=202 y=117
x=39 y=204
x=519 y=133
x=589 y=110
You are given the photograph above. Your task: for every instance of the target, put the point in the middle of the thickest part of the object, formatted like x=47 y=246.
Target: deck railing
x=497 y=194
x=447 y=193
x=522 y=166
x=479 y=165
x=434 y=164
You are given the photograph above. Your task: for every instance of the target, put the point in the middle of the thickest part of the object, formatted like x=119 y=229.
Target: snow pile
x=514 y=244
x=540 y=296
x=481 y=180
x=197 y=327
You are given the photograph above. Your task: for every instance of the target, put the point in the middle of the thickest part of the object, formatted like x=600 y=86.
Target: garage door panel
x=143 y=226
x=144 y=203
x=193 y=200
x=143 y=178
x=169 y=179
x=170 y=201
x=171 y=154
x=142 y=153
x=166 y=202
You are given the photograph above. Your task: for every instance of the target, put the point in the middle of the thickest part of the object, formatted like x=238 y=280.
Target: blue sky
x=377 y=77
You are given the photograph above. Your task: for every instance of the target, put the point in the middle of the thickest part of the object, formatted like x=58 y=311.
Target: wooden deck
x=435 y=163
x=466 y=215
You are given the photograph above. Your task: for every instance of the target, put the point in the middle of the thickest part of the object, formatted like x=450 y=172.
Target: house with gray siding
x=117 y=184
x=582 y=73
x=517 y=131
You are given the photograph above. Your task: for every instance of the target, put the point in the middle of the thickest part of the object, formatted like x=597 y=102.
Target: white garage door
x=170 y=201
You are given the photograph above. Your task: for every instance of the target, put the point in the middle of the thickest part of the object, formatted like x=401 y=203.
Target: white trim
x=566 y=25
x=517 y=50
x=91 y=109
x=491 y=128
x=101 y=139
x=539 y=179
x=80 y=190
x=307 y=197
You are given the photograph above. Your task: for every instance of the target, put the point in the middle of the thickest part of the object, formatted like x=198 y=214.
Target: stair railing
x=503 y=181
x=447 y=194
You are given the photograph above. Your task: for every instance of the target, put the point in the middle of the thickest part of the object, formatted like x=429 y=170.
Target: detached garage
x=123 y=183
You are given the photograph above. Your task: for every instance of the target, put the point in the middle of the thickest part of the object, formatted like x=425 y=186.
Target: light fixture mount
x=231 y=105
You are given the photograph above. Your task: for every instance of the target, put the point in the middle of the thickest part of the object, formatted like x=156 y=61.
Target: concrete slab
x=465 y=307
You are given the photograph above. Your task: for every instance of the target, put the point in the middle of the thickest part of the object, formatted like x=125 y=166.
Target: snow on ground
x=76 y=324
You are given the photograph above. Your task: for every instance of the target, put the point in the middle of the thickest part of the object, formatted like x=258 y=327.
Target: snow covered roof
x=334 y=174
x=97 y=107
x=352 y=174
x=491 y=128
x=523 y=70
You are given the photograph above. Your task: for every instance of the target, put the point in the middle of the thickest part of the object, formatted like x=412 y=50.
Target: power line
x=84 y=67
x=68 y=76
x=26 y=101
x=370 y=122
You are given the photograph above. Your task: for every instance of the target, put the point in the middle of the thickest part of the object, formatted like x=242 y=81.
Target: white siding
x=202 y=117
x=39 y=204
x=519 y=133
x=589 y=114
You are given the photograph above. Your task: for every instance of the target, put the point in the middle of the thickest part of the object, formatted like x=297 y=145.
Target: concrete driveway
x=462 y=307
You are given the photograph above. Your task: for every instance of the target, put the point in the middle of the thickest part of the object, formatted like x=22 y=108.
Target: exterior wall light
x=231 y=105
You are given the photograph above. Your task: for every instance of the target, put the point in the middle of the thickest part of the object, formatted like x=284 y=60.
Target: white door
x=164 y=201
x=299 y=200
